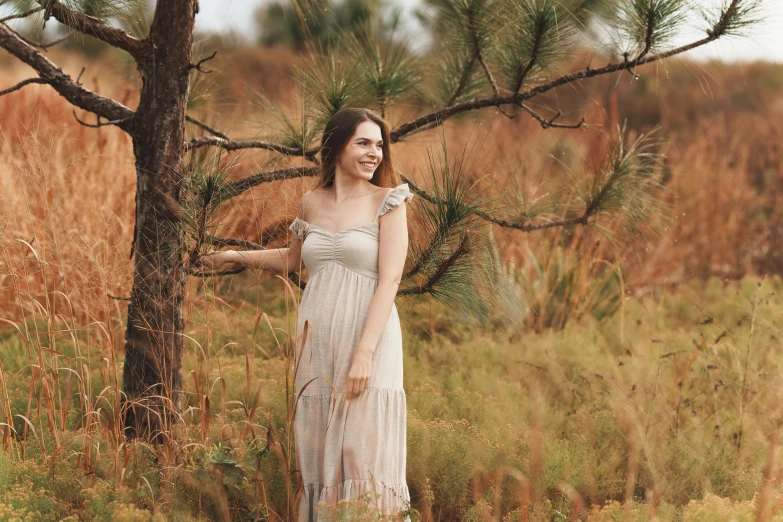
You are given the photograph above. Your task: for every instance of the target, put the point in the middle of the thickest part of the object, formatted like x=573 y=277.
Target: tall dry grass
x=67 y=212
x=74 y=185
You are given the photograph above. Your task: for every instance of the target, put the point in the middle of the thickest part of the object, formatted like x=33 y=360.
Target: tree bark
x=152 y=380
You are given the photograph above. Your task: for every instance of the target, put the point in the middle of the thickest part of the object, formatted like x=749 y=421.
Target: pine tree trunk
x=152 y=380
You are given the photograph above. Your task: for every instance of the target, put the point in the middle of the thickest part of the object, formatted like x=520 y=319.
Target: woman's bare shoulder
x=308 y=198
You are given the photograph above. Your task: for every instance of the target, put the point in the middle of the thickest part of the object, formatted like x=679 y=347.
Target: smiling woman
x=351 y=417
x=350 y=414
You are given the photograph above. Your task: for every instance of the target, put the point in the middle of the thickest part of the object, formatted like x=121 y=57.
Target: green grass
x=632 y=418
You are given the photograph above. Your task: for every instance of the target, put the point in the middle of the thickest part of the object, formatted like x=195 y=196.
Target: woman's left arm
x=392 y=252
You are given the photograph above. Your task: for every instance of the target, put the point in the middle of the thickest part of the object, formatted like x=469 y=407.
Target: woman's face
x=363 y=153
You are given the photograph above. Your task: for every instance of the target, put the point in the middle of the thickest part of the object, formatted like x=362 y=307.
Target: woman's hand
x=211 y=261
x=359 y=374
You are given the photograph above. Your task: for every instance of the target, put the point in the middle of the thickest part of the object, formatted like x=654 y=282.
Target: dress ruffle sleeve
x=393 y=199
x=298 y=228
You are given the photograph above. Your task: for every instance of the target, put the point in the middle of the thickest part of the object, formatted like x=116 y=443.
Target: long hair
x=339 y=131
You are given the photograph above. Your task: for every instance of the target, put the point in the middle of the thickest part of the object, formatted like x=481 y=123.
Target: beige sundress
x=347 y=449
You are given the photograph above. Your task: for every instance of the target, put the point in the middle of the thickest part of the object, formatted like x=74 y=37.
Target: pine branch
x=625 y=184
x=464 y=78
x=648 y=37
x=583 y=219
x=442 y=269
x=736 y=16
x=83 y=98
x=533 y=58
x=89 y=25
x=475 y=39
x=231 y=145
x=535 y=25
x=437 y=118
x=479 y=54
x=241 y=185
x=43 y=45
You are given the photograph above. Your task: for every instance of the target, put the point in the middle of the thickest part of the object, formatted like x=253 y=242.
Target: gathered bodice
x=354 y=248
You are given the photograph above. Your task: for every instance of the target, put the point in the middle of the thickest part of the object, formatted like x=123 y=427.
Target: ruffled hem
x=388 y=499
x=380 y=392
x=394 y=198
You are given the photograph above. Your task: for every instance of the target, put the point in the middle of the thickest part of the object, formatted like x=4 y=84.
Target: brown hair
x=339 y=131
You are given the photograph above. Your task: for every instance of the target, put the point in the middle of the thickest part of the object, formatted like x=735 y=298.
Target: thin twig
x=480 y=57
x=206 y=127
x=22 y=84
x=231 y=145
x=550 y=123
x=231 y=271
x=20 y=15
x=46 y=45
x=294 y=277
x=99 y=122
x=198 y=65
x=584 y=219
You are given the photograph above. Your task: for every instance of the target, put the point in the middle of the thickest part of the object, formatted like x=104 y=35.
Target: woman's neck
x=344 y=188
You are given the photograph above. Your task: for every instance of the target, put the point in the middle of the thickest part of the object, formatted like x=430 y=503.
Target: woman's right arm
x=276 y=260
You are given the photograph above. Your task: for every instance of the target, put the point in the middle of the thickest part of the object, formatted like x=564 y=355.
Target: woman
x=351 y=232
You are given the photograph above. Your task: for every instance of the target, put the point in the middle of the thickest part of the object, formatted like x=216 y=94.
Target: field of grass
x=670 y=410
x=646 y=391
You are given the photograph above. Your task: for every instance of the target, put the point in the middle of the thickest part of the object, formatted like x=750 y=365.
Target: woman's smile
x=368 y=165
